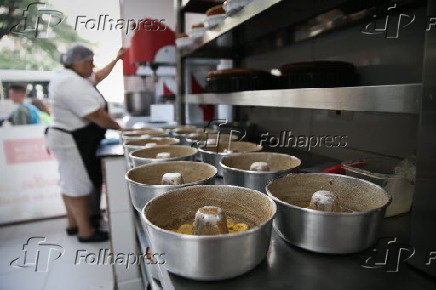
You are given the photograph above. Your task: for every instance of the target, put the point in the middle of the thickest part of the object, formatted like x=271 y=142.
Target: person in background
x=80 y=120
x=25 y=113
x=43 y=111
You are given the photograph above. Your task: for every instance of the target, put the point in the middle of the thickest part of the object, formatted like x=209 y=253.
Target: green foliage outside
x=31 y=53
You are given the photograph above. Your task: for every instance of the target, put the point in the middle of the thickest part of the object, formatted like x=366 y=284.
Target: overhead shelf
x=199 y=6
x=387 y=98
x=254 y=8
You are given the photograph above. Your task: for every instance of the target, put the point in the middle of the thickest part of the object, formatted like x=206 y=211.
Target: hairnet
x=76 y=53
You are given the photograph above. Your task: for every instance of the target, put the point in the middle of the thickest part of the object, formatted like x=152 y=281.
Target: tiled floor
x=62 y=262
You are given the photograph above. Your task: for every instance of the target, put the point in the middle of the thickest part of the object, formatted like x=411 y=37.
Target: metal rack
x=405 y=93
x=392 y=99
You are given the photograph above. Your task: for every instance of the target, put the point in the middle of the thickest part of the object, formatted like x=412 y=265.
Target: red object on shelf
x=128 y=68
x=166 y=90
x=338 y=169
x=196 y=88
x=149 y=37
x=208 y=110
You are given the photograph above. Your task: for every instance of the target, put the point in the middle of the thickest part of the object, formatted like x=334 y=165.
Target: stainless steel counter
x=288 y=267
x=110 y=151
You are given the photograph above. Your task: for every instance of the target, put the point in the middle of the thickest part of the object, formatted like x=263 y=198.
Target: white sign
x=28 y=176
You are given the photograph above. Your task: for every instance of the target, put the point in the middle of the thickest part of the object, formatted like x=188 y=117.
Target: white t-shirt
x=72 y=98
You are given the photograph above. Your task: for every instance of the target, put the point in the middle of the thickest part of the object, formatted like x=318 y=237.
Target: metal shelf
x=388 y=98
x=199 y=6
x=248 y=12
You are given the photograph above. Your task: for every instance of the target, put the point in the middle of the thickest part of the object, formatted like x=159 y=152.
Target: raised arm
x=104 y=72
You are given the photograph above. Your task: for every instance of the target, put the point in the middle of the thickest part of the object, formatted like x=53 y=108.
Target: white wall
x=138 y=9
x=106 y=42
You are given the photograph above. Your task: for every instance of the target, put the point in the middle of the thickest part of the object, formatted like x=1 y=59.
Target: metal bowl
x=328 y=232
x=171 y=129
x=144 y=134
x=145 y=181
x=148 y=155
x=135 y=144
x=236 y=169
x=183 y=133
x=164 y=133
x=210 y=258
x=202 y=138
x=131 y=133
x=214 y=154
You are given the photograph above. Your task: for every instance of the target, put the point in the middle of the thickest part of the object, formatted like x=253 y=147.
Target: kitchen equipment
x=328 y=232
x=212 y=21
x=233 y=6
x=145 y=182
x=138 y=130
x=236 y=169
x=132 y=133
x=217 y=257
x=163 y=133
x=171 y=129
x=395 y=176
x=214 y=154
x=138 y=103
x=135 y=144
x=184 y=41
x=148 y=155
x=144 y=134
x=183 y=133
x=211 y=138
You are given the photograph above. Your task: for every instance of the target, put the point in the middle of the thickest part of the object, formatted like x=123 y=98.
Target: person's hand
x=120 y=54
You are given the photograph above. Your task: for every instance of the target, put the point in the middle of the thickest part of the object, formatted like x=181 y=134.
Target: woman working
x=79 y=123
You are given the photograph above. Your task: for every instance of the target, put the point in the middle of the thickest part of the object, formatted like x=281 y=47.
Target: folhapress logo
x=391 y=24
x=38 y=254
x=38 y=20
x=235 y=133
x=389 y=255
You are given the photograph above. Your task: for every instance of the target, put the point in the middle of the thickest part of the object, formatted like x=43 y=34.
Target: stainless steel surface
x=153 y=271
x=180 y=153
x=219 y=33
x=424 y=203
x=390 y=98
x=141 y=193
x=325 y=232
x=211 y=258
x=138 y=104
x=288 y=267
x=153 y=133
x=214 y=158
x=239 y=174
x=229 y=23
x=203 y=138
x=109 y=151
x=171 y=129
x=183 y=134
x=136 y=144
x=309 y=269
